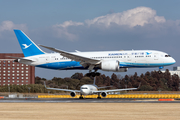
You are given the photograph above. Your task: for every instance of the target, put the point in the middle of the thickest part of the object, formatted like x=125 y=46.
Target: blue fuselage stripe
x=77 y=65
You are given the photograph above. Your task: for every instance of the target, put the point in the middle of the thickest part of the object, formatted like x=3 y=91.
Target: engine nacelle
x=103 y=94
x=73 y=94
x=110 y=65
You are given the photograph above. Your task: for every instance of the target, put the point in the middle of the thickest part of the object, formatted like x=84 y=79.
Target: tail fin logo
x=26 y=46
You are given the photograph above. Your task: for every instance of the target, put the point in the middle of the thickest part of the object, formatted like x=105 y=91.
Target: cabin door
x=156 y=56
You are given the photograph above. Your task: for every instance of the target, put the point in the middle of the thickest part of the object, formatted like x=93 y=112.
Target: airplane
x=116 y=61
x=90 y=89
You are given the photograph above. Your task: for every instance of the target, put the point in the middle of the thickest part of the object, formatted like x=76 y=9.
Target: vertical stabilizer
x=94 y=83
x=28 y=47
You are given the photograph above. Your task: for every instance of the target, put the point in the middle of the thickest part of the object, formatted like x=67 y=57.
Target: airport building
x=176 y=70
x=15 y=73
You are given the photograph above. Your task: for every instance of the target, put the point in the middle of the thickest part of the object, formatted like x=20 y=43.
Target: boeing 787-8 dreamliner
x=118 y=61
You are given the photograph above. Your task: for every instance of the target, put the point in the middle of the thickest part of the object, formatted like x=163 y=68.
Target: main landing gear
x=81 y=97
x=99 y=97
x=93 y=74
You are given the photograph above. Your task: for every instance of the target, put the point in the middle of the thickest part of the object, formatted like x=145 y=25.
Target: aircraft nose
x=83 y=91
x=173 y=60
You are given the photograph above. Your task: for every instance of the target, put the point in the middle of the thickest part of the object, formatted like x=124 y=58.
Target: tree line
x=150 y=81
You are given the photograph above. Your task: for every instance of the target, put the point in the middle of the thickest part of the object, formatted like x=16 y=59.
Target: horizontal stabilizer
x=18 y=58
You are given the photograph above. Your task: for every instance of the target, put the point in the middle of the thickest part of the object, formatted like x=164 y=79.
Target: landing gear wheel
x=98 y=74
x=81 y=97
x=98 y=97
x=93 y=74
x=88 y=74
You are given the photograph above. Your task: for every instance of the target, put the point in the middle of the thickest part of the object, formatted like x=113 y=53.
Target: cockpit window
x=167 y=56
x=84 y=88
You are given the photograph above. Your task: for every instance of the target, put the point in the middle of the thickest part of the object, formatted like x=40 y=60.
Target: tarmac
x=86 y=100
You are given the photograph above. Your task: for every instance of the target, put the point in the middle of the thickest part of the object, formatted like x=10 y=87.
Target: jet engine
x=103 y=94
x=110 y=65
x=73 y=94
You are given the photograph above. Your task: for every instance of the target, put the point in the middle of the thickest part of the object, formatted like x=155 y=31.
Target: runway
x=87 y=100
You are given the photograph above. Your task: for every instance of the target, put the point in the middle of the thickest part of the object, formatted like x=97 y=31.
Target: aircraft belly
x=67 y=65
x=142 y=65
x=59 y=65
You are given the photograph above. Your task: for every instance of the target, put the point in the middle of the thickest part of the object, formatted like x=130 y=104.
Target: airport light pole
x=29 y=89
x=159 y=91
x=9 y=89
x=126 y=87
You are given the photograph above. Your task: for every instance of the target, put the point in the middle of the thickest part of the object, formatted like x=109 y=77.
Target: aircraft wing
x=82 y=59
x=115 y=90
x=104 y=87
x=67 y=90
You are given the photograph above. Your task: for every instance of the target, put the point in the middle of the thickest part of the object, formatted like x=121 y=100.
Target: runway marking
x=87 y=100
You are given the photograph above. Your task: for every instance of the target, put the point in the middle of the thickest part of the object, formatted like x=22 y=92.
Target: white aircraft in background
x=90 y=89
x=116 y=61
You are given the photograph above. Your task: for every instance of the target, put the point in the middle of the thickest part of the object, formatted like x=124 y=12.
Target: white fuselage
x=88 y=89
x=118 y=61
x=127 y=59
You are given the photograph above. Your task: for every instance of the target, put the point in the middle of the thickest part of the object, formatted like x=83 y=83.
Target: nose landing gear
x=160 y=69
x=81 y=97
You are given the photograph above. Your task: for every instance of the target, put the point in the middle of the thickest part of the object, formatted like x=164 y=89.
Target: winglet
x=94 y=83
x=77 y=51
x=19 y=58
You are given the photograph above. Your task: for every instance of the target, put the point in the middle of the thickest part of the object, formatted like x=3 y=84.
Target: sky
x=92 y=25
